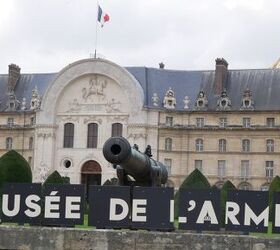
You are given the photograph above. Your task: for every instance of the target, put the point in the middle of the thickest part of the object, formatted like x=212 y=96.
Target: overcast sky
x=44 y=36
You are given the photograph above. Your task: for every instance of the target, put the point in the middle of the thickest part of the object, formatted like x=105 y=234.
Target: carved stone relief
x=155 y=99
x=138 y=136
x=186 y=102
x=92 y=119
x=69 y=118
x=169 y=100
x=95 y=89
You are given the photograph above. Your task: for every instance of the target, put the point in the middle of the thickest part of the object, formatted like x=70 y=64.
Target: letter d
x=113 y=207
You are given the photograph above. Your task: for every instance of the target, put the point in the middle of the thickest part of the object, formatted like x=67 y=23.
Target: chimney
x=161 y=65
x=14 y=74
x=220 y=75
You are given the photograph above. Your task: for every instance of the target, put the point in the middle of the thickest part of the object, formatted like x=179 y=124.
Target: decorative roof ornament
x=186 y=102
x=35 y=103
x=201 y=102
x=23 y=104
x=155 y=99
x=247 y=102
x=169 y=100
x=276 y=65
x=224 y=102
x=12 y=102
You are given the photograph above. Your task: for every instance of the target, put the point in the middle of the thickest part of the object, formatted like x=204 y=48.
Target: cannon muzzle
x=141 y=167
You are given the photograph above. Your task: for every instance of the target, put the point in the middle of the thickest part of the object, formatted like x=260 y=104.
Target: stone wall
x=41 y=238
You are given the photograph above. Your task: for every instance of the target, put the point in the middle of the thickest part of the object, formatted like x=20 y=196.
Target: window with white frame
x=222 y=145
x=245 y=169
x=269 y=145
x=168 y=164
x=168 y=144
x=223 y=122
x=246 y=122
x=169 y=121
x=199 y=145
x=10 y=122
x=198 y=165
x=221 y=168
x=200 y=122
x=246 y=145
x=9 y=143
x=269 y=169
x=270 y=122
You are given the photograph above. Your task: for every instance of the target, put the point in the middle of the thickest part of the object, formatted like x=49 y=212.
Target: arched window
x=199 y=145
x=269 y=145
x=246 y=145
x=30 y=145
x=245 y=186
x=92 y=135
x=222 y=145
x=68 y=135
x=168 y=144
x=9 y=143
x=117 y=129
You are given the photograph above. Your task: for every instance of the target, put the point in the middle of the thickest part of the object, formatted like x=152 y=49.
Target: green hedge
x=195 y=180
x=228 y=185
x=274 y=187
x=14 y=168
x=55 y=178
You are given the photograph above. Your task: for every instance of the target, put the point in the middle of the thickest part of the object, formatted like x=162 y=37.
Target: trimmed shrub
x=14 y=168
x=195 y=180
x=274 y=187
x=228 y=185
x=54 y=178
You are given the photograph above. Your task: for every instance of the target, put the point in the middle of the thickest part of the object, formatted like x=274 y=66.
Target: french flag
x=102 y=17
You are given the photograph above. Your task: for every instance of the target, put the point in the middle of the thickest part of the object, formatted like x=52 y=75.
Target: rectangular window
x=198 y=165
x=10 y=122
x=245 y=169
x=269 y=169
x=200 y=122
x=223 y=122
x=221 y=168
x=168 y=164
x=246 y=122
x=169 y=121
x=32 y=121
x=270 y=122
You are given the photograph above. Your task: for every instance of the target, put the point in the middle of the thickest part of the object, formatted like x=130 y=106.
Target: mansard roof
x=263 y=83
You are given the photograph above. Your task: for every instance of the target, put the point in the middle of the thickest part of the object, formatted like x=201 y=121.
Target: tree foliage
x=274 y=187
x=14 y=168
x=195 y=180
x=228 y=185
x=54 y=178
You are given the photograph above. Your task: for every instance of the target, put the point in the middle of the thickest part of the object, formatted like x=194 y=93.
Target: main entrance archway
x=91 y=174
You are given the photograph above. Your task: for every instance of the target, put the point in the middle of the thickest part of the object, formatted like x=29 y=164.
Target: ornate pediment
x=169 y=100
x=12 y=102
x=35 y=103
x=247 y=102
x=224 y=102
x=201 y=102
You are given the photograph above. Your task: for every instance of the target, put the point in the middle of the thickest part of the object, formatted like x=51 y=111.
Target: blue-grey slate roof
x=263 y=83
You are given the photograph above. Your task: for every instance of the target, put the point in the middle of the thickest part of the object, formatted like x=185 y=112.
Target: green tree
x=228 y=185
x=274 y=187
x=54 y=178
x=14 y=168
x=196 y=180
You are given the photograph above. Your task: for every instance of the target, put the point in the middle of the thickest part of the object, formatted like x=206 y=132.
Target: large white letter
x=139 y=210
x=250 y=215
x=5 y=205
x=113 y=207
x=231 y=215
x=49 y=206
x=30 y=203
x=70 y=207
x=277 y=215
x=207 y=211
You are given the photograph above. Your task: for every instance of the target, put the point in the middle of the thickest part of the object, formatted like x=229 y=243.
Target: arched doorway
x=91 y=174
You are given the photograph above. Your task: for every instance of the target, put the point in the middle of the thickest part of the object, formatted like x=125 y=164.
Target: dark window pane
x=68 y=135
x=117 y=129
x=92 y=135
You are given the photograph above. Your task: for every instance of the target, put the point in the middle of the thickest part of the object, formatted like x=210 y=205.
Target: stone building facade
x=224 y=122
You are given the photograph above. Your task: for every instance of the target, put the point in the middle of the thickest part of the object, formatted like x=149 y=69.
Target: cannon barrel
x=141 y=167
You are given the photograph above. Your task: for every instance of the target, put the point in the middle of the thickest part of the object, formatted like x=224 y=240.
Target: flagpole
x=96 y=33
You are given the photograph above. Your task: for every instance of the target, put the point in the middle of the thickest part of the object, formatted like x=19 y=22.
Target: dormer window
x=201 y=101
x=169 y=100
x=10 y=122
x=224 y=102
x=247 y=101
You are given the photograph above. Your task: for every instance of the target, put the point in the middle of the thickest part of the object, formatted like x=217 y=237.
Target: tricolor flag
x=102 y=17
